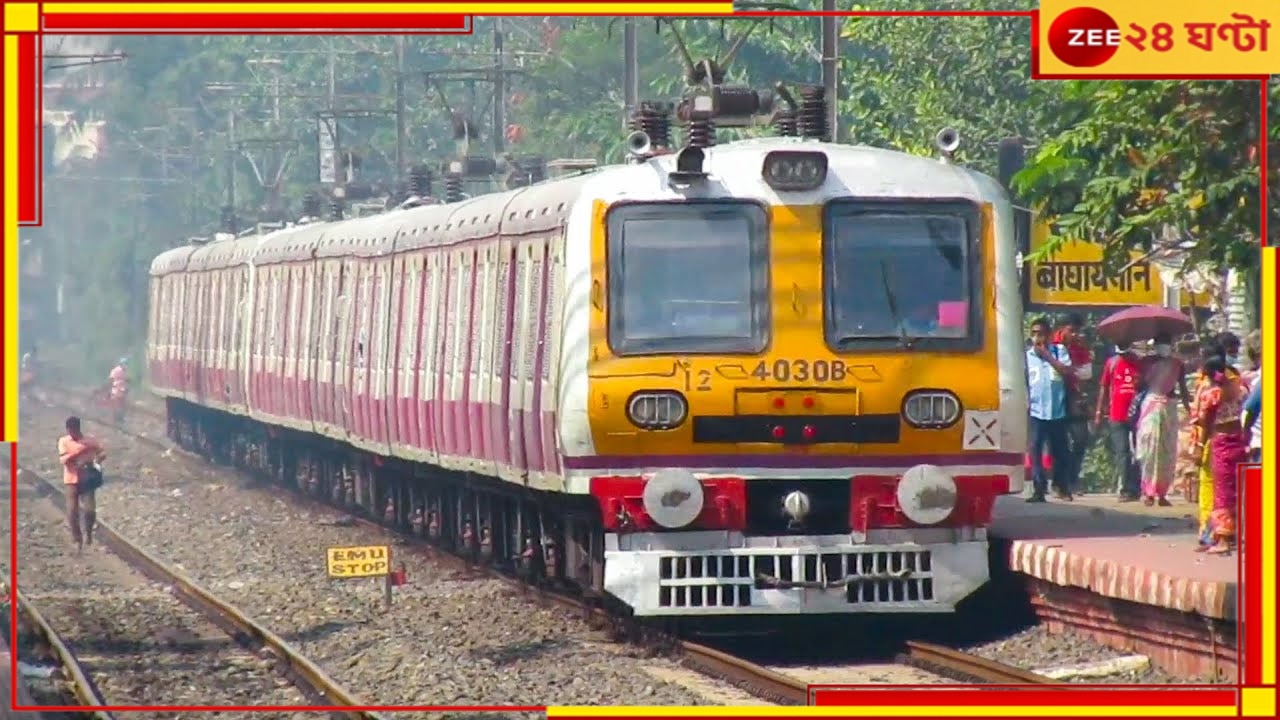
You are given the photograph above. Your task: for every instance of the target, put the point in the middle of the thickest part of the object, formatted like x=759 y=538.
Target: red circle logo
x=1084 y=37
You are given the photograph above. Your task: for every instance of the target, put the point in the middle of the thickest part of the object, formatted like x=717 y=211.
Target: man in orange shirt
x=76 y=451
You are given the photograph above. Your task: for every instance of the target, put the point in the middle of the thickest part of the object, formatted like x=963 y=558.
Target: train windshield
x=688 y=277
x=900 y=273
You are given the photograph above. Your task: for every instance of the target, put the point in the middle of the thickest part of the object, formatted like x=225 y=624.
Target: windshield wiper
x=891 y=301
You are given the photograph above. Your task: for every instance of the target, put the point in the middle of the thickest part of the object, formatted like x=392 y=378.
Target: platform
x=1126 y=551
x=1128 y=575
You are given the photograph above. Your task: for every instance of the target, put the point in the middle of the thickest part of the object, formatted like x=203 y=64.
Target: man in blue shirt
x=1252 y=410
x=1048 y=366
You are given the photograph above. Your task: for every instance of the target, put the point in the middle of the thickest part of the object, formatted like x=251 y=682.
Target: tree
x=1145 y=163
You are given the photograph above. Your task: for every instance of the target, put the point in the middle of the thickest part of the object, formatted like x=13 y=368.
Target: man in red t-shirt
x=1120 y=377
x=1077 y=409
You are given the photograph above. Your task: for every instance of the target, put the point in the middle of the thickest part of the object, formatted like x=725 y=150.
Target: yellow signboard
x=1073 y=275
x=358 y=562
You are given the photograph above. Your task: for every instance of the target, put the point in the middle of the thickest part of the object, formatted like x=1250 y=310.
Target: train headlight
x=794 y=170
x=931 y=409
x=657 y=409
x=673 y=498
x=926 y=494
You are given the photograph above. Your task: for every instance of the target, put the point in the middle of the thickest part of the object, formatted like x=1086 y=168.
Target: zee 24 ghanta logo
x=1086 y=37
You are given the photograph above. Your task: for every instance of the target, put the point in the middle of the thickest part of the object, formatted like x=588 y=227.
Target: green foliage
x=1114 y=161
x=1138 y=160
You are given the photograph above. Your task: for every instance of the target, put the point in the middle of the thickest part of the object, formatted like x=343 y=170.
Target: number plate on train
x=801 y=371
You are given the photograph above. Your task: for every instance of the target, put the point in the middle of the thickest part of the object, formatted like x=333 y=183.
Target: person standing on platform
x=1048 y=366
x=1253 y=401
x=1068 y=336
x=1219 y=410
x=1116 y=391
x=1156 y=441
x=1195 y=449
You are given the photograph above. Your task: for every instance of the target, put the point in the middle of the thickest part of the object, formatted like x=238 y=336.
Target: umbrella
x=1144 y=322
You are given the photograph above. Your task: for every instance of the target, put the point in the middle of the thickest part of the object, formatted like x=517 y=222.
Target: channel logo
x=1084 y=37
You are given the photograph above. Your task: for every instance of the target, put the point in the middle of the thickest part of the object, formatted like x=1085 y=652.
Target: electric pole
x=499 y=91
x=630 y=69
x=400 y=112
x=831 y=66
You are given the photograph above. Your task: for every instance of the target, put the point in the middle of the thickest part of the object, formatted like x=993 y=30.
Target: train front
x=804 y=385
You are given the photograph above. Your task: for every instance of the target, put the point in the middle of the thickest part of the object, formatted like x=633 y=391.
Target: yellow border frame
x=1255 y=702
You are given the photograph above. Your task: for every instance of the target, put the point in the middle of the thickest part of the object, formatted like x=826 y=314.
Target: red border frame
x=29 y=214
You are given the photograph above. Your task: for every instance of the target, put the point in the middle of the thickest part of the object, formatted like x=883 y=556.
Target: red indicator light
x=779 y=403
x=808 y=402
x=809 y=432
x=778 y=432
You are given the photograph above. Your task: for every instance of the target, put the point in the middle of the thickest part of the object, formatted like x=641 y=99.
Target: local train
x=775 y=376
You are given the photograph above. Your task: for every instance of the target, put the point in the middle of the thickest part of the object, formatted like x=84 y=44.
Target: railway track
x=754 y=678
x=33 y=629
x=284 y=660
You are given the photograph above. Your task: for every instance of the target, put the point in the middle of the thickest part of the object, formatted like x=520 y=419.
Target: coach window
x=902 y=273
x=688 y=277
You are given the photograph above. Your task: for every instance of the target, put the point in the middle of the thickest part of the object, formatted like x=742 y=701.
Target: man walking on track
x=79 y=455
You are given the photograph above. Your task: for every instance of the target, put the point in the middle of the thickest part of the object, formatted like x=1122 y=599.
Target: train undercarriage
x=544 y=538
x=559 y=540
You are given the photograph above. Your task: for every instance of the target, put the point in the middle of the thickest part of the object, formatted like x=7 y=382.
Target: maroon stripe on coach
x=602 y=462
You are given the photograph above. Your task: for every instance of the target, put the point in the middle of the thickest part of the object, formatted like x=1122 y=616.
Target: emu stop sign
x=360 y=562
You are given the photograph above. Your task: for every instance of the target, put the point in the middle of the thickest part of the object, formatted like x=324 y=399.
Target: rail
x=82 y=685
x=306 y=675
x=972 y=668
x=755 y=679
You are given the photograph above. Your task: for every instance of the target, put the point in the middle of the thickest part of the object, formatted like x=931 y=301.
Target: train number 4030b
x=818 y=371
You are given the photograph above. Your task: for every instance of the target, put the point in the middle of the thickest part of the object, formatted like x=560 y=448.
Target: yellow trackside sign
x=358 y=562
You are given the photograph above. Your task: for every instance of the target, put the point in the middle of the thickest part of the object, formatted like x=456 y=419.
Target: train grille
x=872 y=577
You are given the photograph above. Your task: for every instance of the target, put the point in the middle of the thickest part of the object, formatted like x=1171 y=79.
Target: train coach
x=774 y=376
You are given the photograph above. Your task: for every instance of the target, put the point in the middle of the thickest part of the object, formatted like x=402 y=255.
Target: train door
x=533 y=380
x=335 y=341
x=349 y=312
x=522 y=339
x=433 y=304
x=451 y=262
x=240 y=334
x=480 y=362
x=401 y=351
x=309 y=343
x=497 y=437
x=553 y=316
x=382 y=329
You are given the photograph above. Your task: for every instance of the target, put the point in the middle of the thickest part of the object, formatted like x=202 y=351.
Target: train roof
x=735 y=170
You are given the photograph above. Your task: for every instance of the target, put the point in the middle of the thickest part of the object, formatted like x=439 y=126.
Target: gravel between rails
x=448 y=639
x=139 y=643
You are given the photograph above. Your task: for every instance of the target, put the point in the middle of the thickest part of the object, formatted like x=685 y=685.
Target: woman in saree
x=1156 y=439
x=1218 y=416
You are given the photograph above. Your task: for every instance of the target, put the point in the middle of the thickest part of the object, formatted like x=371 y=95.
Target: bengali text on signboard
x=1074 y=275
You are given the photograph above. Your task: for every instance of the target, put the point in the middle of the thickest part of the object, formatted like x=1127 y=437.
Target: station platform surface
x=1118 y=550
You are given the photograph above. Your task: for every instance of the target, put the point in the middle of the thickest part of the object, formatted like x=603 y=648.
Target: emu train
x=773 y=376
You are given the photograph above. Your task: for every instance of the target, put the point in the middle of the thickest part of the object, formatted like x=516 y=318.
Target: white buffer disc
x=673 y=498
x=926 y=494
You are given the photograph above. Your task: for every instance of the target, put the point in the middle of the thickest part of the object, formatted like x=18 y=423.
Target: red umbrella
x=1144 y=322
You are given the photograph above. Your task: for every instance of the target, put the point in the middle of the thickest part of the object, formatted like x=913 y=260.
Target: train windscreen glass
x=688 y=277
x=899 y=274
